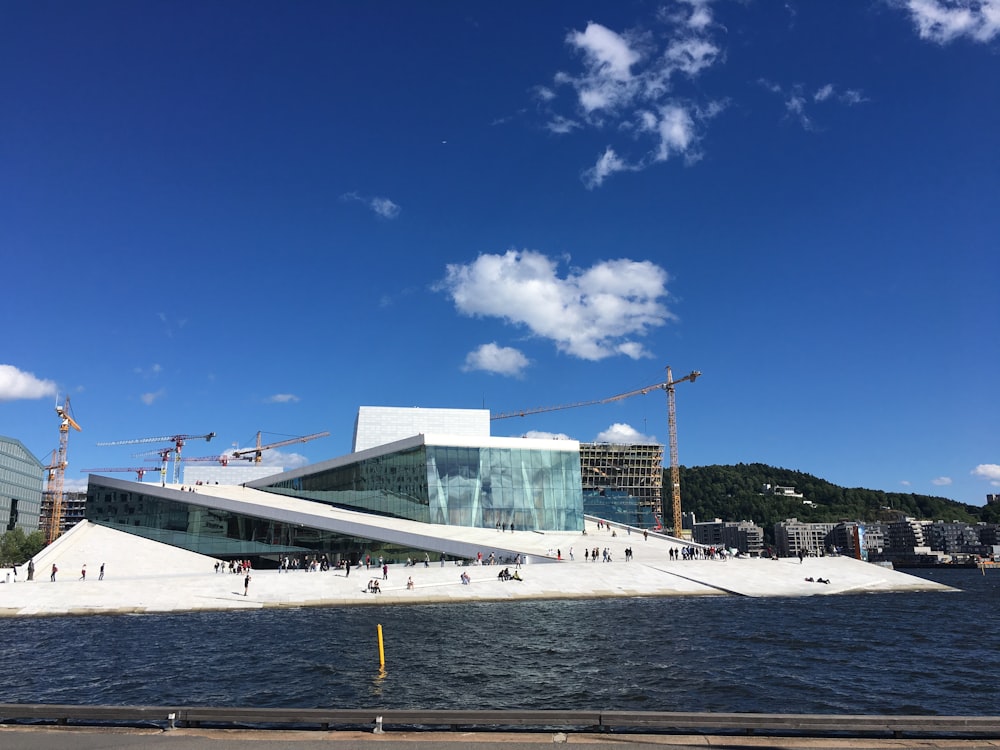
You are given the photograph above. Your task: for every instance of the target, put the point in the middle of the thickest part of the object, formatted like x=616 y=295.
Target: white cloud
x=941 y=481
x=275 y=457
x=384 y=207
x=75 y=484
x=149 y=398
x=905 y=483
x=798 y=101
x=943 y=21
x=502 y=360
x=824 y=93
x=281 y=398
x=990 y=472
x=591 y=314
x=608 y=164
x=561 y=125
x=17 y=384
x=539 y=435
x=148 y=372
x=628 y=82
x=624 y=434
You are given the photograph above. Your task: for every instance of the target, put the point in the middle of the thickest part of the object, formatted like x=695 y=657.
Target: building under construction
x=623 y=483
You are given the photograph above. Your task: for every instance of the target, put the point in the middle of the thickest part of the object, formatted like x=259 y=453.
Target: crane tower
x=57 y=471
x=667 y=386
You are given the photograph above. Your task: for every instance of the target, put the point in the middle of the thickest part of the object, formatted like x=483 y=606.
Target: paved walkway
x=145 y=576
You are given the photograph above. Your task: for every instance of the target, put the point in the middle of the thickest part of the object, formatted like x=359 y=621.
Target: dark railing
x=592 y=721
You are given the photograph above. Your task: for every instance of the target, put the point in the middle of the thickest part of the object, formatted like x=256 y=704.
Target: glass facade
x=21 y=477
x=454 y=485
x=219 y=533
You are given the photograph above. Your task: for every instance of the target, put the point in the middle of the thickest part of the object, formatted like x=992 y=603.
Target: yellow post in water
x=381 y=649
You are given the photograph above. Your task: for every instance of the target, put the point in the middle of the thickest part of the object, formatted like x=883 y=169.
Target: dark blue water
x=882 y=653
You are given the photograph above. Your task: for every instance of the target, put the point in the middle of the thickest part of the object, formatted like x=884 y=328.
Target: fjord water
x=919 y=653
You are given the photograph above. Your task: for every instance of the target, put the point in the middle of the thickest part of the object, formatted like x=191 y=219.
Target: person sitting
x=516 y=576
x=465 y=578
x=409 y=582
x=376 y=587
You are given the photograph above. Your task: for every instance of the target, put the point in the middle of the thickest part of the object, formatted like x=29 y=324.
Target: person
x=376 y=586
x=347 y=567
x=465 y=578
x=54 y=571
x=385 y=571
x=100 y=574
x=246 y=584
x=516 y=576
x=31 y=570
x=83 y=573
x=409 y=582
x=427 y=560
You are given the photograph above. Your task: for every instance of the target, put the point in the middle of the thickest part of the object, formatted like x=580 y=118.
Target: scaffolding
x=631 y=474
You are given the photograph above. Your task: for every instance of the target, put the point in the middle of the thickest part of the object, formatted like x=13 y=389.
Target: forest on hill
x=736 y=493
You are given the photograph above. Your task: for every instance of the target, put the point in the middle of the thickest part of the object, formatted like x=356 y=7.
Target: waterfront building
x=745 y=536
x=951 y=538
x=864 y=541
x=21 y=478
x=469 y=479
x=903 y=535
x=793 y=536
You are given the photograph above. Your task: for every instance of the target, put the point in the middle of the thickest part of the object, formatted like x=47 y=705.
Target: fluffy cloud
x=623 y=434
x=16 y=384
x=591 y=314
x=941 y=481
x=943 y=21
x=988 y=471
x=281 y=398
x=502 y=360
x=628 y=83
x=384 y=208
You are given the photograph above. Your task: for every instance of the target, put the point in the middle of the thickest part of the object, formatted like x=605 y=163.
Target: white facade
x=380 y=425
x=232 y=474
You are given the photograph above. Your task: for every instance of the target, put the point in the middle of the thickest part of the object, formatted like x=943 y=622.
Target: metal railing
x=171 y=717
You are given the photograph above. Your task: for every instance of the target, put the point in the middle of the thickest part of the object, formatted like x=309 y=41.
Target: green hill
x=736 y=493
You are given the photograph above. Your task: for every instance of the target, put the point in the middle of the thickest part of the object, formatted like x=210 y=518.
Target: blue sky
x=243 y=216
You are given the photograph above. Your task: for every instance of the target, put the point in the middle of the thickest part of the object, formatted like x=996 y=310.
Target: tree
x=16 y=547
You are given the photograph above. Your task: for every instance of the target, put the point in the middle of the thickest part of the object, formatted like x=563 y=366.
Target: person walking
x=83 y=573
x=100 y=575
x=54 y=571
x=246 y=584
x=385 y=571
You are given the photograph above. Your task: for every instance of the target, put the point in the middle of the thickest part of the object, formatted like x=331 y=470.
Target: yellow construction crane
x=57 y=471
x=259 y=449
x=668 y=386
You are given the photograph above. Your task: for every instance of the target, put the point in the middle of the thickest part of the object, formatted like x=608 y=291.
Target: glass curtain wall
x=456 y=486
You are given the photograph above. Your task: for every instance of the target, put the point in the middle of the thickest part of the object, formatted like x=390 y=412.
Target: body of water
x=920 y=653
